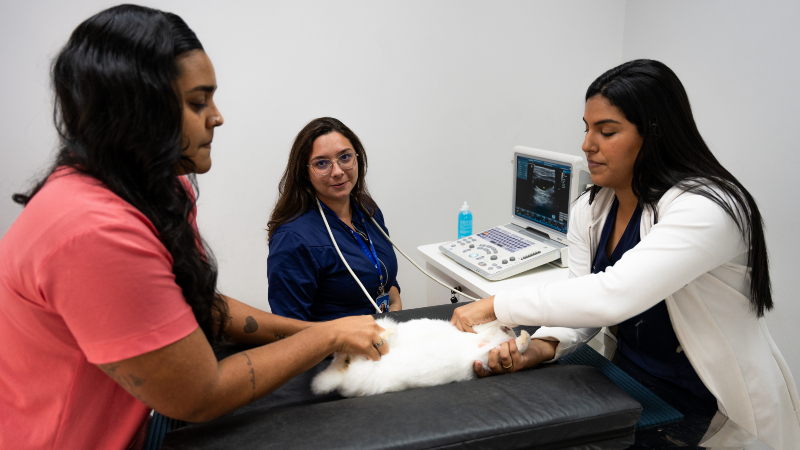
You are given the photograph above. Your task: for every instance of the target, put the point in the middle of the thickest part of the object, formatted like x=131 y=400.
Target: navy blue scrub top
x=307 y=279
x=647 y=339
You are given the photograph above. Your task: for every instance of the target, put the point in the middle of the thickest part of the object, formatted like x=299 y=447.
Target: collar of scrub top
x=369 y=252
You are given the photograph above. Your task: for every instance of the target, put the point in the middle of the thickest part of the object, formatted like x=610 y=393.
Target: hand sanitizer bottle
x=464 y=221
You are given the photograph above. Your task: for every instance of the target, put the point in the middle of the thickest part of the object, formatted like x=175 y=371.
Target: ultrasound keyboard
x=502 y=251
x=504 y=240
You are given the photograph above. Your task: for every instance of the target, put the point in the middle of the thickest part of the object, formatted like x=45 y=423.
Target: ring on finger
x=509 y=366
x=381 y=342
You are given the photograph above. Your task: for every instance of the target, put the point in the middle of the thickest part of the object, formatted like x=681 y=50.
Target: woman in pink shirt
x=108 y=301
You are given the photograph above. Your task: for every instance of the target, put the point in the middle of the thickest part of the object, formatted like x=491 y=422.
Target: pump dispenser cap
x=465 y=207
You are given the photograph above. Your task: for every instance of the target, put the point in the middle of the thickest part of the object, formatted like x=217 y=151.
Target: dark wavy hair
x=673 y=154
x=296 y=194
x=119 y=119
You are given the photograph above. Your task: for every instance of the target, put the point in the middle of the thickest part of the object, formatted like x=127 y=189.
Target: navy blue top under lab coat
x=648 y=339
x=307 y=279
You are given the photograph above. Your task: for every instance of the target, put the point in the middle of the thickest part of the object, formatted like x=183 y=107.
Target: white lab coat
x=695 y=258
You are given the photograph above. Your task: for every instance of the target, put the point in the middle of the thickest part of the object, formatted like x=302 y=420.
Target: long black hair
x=673 y=154
x=119 y=118
x=296 y=194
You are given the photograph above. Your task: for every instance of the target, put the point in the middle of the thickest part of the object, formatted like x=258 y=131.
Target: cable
x=452 y=289
x=330 y=233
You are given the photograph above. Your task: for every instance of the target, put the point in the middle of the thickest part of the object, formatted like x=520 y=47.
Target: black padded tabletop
x=548 y=407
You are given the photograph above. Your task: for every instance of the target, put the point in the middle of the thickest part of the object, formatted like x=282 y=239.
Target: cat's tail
x=331 y=378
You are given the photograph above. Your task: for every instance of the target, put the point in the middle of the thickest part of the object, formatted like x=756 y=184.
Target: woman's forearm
x=252 y=374
x=185 y=381
x=693 y=236
x=250 y=325
x=395 y=304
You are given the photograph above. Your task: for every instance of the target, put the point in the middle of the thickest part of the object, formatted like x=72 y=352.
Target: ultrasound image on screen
x=542 y=193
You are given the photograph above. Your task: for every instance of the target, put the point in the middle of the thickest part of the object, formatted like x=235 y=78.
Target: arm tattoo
x=279 y=336
x=128 y=382
x=250 y=325
x=252 y=376
x=135 y=380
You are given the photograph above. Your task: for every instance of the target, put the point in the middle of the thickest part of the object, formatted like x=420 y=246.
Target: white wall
x=739 y=63
x=439 y=93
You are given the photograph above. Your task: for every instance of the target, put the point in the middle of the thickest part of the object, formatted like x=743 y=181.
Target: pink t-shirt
x=84 y=280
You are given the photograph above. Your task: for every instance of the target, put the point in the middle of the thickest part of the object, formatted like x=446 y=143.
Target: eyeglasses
x=346 y=161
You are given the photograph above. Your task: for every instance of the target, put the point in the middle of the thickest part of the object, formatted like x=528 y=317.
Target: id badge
x=383 y=302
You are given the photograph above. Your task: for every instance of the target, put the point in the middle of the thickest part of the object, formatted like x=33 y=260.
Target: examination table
x=552 y=406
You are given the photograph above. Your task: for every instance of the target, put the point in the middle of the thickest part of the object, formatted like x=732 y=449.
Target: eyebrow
x=203 y=88
x=600 y=122
x=339 y=153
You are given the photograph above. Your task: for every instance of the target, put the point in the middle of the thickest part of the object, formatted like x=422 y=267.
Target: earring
x=655 y=130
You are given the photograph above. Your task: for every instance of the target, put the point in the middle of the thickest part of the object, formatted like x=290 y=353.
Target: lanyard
x=369 y=252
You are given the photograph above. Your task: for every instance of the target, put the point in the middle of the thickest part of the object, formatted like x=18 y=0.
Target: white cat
x=422 y=352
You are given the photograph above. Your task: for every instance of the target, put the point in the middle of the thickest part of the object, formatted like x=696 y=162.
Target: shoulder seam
x=67 y=241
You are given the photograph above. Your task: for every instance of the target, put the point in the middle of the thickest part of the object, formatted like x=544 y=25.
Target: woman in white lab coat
x=668 y=246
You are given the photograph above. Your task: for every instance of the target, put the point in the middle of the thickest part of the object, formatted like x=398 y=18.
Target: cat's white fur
x=422 y=352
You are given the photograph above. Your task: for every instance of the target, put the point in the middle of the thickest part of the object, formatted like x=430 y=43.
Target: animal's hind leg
x=332 y=377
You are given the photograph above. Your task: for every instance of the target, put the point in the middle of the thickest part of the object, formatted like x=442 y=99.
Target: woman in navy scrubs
x=668 y=247
x=307 y=278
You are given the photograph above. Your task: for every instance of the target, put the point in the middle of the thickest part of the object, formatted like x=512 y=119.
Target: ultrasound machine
x=545 y=184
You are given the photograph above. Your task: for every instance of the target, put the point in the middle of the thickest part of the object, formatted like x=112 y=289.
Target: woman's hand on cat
x=506 y=358
x=358 y=335
x=475 y=313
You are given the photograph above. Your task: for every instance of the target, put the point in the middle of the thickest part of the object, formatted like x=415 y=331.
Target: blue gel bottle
x=464 y=221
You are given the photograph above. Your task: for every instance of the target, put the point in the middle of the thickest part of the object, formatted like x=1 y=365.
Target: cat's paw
x=523 y=341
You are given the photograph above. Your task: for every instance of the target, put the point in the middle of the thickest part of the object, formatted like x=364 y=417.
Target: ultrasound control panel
x=501 y=252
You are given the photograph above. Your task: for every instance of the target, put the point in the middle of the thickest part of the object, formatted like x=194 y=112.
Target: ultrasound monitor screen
x=542 y=193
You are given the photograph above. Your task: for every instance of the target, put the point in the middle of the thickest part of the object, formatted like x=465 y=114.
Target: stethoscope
x=369 y=297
